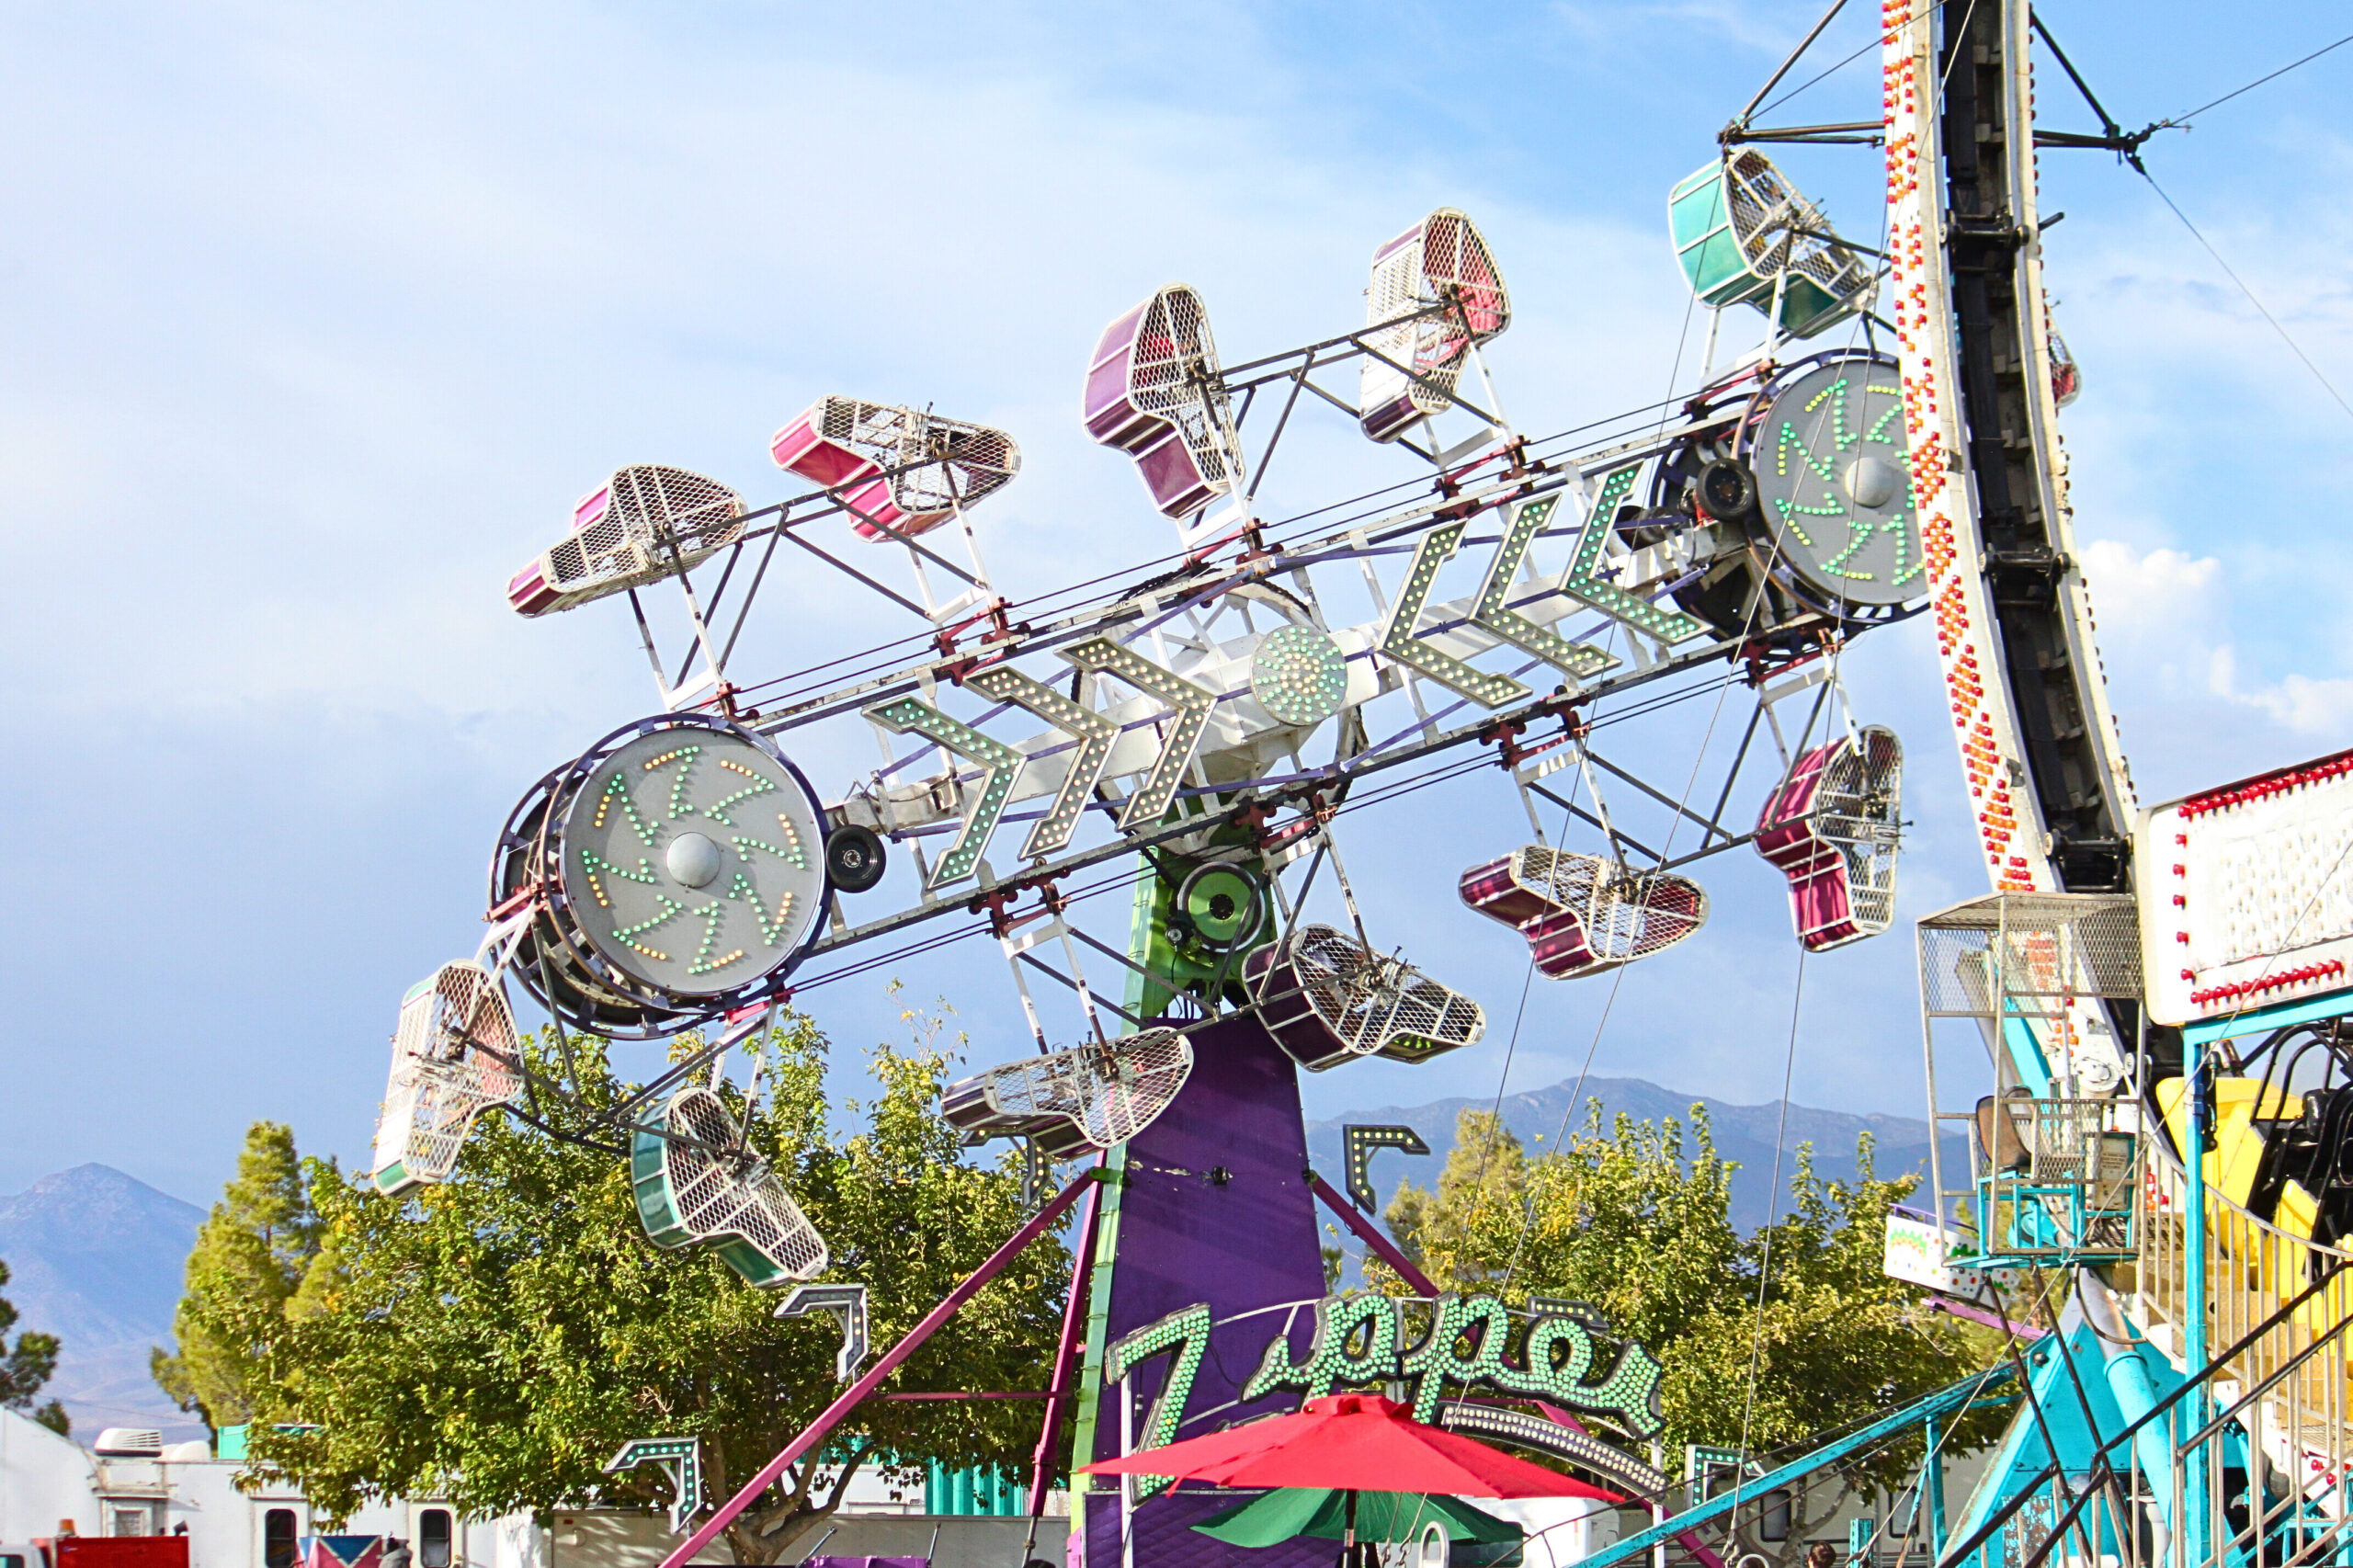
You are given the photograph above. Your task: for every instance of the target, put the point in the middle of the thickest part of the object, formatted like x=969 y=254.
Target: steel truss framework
x=2014 y=631
x=1285 y=812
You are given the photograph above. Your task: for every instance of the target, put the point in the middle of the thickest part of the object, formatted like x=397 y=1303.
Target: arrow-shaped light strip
x=1398 y=641
x=1095 y=736
x=1582 y=583
x=1578 y=660
x=1359 y=1141
x=909 y=715
x=1189 y=703
x=681 y=1459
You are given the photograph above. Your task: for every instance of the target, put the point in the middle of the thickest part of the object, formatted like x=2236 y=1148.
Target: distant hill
x=96 y=1258
x=1745 y=1134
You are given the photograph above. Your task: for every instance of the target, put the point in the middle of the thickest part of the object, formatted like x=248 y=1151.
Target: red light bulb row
x=2271 y=784
x=2302 y=974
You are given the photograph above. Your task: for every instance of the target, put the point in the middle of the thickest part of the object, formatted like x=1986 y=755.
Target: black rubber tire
x=1727 y=491
x=855 y=857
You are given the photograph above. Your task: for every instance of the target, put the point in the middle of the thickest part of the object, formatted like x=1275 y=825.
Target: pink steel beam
x=817 y=1430
x=1066 y=1354
x=1381 y=1245
x=1979 y=1315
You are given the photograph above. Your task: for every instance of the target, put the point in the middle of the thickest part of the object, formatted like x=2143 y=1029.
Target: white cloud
x=2322 y=708
x=2161 y=590
x=2167 y=621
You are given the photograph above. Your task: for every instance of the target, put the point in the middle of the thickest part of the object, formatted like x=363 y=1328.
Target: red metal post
x=1065 y=1356
x=817 y=1430
x=1382 y=1247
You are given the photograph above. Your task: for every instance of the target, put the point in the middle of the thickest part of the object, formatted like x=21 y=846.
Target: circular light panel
x=1833 y=487
x=693 y=860
x=1299 y=675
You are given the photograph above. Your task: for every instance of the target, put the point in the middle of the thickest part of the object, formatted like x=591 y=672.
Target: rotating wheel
x=1221 y=906
x=1834 y=487
x=680 y=870
x=1810 y=473
x=855 y=857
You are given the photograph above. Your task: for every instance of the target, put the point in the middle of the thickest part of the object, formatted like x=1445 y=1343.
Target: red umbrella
x=1351 y=1442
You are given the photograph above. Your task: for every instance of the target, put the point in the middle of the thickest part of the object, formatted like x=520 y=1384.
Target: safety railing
x=2056 y=1183
x=2268 y=1468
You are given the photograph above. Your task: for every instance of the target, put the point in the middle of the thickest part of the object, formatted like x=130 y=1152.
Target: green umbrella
x=1292 y=1511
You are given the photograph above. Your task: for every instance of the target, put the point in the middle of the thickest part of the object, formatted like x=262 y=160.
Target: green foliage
x=496 y=1339
x=1638 y=1223
x=25 y=1366
x=246 y=1269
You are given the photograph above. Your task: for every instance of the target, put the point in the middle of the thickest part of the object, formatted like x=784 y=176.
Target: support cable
x=2181 y=122
x=2227 y=271
x=1772 y=1199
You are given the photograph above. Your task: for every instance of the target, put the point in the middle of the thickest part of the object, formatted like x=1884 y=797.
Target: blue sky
x=318 y=319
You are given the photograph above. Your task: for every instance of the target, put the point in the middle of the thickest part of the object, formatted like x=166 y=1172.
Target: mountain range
x=1743 y=1133
x=94 y=1257
x=97 y=1256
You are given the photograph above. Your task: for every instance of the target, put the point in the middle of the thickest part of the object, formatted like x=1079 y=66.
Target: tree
x=1642 y=1228
x=1485 y=1174
x=243 y=1273
x=26 y=1367
x=497 y=1338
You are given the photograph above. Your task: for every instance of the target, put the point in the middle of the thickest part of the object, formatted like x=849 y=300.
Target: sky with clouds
x=318 y=319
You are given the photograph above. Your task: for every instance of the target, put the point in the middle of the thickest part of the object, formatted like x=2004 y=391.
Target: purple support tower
x=1214 y=1208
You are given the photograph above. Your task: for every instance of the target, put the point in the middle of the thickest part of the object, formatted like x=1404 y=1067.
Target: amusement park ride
x=1198 y=729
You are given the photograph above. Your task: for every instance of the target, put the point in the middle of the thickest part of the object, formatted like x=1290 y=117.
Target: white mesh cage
x=1859 y=811
x=1092 y=1095
x=1834 y=826
x=454 y=1056
x=717 y=1198
x=2029 y=954
x=646 y=523
x=1174 y=374
x=1327 y=999
x=1779 y=231
x=1610 y=913
x=1442 y=261
x=943 y=463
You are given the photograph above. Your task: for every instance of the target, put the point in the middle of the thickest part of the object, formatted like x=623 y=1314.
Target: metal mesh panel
x=603 y=552
x=1614 y=914
x=660 y=504
x=1327 y=999
x=453 y=1057
x=1458 y=267
x=1768 y=214
x=1860 y=812
x=1089 y=1096
x=1173 y=373
x=718 y=1198
x=2012 y=953
x=945 y=462
x=1445 y=260
x=656 y=521
x=953 y=464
